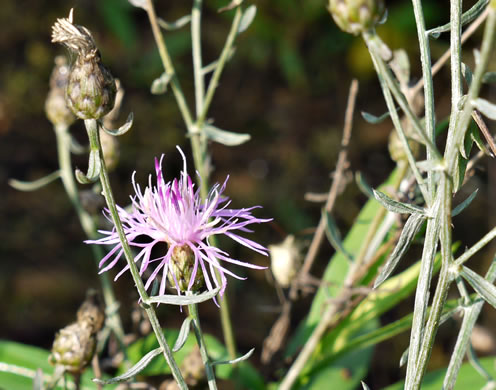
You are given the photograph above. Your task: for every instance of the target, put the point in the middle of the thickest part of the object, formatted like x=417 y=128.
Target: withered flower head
x=91 y=89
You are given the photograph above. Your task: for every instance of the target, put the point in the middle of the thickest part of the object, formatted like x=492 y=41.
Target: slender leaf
x=486 y=108
x=410 y=230
x=364 y=386
x=462 y=206
x=34 y=185
x=224 y=137
x=170 y=26
x=183 y=334
x=121 y=130
x=374 y=119
x=234 y=361
x=467 y=17
x=247 y=18
x=398 y=207
x=485 y=289
x=94 y=167
x=183 y=300
x=467 y=73
x=134 y=370
x=160 y=84
x=430 y=165
x=333 y=234
x=364 y=186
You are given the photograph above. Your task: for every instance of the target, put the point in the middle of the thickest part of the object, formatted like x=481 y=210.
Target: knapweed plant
x=167 y=236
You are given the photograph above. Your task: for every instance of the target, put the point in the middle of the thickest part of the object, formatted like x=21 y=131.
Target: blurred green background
x=286 y=85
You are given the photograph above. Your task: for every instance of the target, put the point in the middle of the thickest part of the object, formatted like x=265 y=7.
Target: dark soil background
x=287 y=86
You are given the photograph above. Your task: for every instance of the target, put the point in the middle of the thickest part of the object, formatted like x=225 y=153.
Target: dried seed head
x=55 y=105
x=356 y=16
x=91 y=88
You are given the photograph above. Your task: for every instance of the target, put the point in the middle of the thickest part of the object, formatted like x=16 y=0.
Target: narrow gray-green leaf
x=411 y=228
x=170 y=26
x=183 y=334
x=234 y=361
x=467 y=73
x=373 y=118
x=485 y=289
x=224 y=137
x=134 y=370
x=247 y=18
x=489 y=78
x=467 y=17
x=94 y=167
x=462 y=206
x=363 y=185
x=333 y=234
x=34 y=185
x=183 y=300
x=364 y=386
x=486 y=108
x=121 y=130
x=398 y=207
x=159 y=85
x=430 y=165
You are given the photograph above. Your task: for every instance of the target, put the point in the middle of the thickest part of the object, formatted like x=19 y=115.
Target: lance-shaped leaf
x=213 y=65
x=160 y=84
x=363 y=185
x=398 y=207
x=183 y=300
x=431 y=165
x=234 y=361
x=134 y=370
x=364 y=386
x=462 y=206
x=467 y=17
x=171 y=26
x=121 y=130
x=373 y=118
x=485 y=289
x=486 y=108
x=94 y=168
x=247 y=18
x=34 y=185
x=224 y=137
x=411 y=228
x=333 y=234
x=183 y=334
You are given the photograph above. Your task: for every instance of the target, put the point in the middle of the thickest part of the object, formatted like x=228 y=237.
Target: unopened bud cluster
x=91 y=88
x=356 y=16
x=74 y=345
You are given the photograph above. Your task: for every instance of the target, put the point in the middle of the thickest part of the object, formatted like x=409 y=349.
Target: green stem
x=193 y=312
x=425 y=58
x=197 y=55
x=92 y=127
x=89 y=227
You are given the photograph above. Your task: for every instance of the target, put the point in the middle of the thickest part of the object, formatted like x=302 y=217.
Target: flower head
x=174 y=213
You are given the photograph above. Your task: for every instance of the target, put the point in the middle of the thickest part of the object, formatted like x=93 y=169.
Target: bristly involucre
x=174 y=213
x=91 y=89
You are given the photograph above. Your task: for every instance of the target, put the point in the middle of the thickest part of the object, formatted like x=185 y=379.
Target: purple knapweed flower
x=174 y=213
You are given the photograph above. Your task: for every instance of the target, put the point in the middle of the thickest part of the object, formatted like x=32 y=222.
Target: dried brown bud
x=55 y=105
x=91 y=314
x=91 y=88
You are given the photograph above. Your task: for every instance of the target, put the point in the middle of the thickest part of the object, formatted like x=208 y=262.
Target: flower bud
x=181 y=268
x=55 y=105
x=285 y=261
x=91 y=314
x=356 y=16
x=91 y=88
